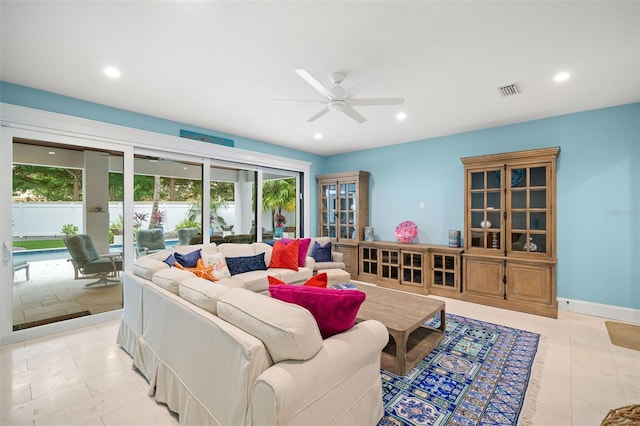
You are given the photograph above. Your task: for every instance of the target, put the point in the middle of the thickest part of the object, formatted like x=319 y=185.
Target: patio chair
x=149 y=241
x=87 y=263
x=186 y=234
x=19 y=265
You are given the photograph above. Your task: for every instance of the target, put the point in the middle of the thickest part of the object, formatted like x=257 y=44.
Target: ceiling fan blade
x=304 y=101
x=354 y=114
x=315 y=83
x=376 y=101
x=318 y=115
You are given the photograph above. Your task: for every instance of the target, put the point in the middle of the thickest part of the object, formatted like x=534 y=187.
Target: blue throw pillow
x=238 y=265
x=321 y=253
x=170 y=260
x=189 y=260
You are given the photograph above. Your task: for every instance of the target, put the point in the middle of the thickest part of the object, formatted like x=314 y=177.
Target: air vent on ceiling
x=509 y=90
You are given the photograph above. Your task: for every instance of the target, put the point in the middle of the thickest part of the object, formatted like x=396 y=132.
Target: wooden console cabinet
x=510 y=231
x=343 y=203
x=416 y=268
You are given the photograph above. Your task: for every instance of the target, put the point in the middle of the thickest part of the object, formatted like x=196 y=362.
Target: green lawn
x=39 y=244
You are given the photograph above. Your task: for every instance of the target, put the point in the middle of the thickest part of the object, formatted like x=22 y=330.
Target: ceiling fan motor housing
x=337 y=77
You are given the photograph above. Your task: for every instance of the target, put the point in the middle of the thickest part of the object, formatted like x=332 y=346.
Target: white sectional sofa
x=224 y=354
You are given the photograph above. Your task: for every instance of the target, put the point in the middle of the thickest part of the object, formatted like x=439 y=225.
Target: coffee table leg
x=443 y=322
x=401 y=351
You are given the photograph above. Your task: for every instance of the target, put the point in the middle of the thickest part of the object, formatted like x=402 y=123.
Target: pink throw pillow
x=303 y=249
x=334 y=310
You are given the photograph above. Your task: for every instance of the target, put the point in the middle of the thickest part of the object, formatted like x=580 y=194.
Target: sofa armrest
x=337 y=257
x=334 y=382
x=310 y=263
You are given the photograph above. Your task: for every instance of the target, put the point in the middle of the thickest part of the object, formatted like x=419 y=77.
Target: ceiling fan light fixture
x=337 y=105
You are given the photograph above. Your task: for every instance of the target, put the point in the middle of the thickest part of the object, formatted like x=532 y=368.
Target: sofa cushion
x=170 y=278
x=288 y=331
x=328 y=265
x=319 y=280
x=334 y=310
x=202 y=293
x=253 y=280
x=239 y=265
x=219 y=264
x=146 y=266
x=321 y=253
x=285 y=255
x=302 y=249
x=188 y=260
x=290 y=276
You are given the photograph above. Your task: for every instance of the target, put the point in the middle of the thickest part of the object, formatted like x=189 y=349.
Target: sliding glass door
x=167 y=196
x=61 y=192
x=281 y=207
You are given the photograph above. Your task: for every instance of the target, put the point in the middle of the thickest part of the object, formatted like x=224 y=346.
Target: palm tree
x=153 y=223
x=195 y=210
x=279 y=194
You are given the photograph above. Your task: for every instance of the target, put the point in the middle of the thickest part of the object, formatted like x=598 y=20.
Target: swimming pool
x=63 y=253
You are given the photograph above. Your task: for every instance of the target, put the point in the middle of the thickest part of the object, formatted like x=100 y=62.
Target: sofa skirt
x=127 y=338
x=170 y=390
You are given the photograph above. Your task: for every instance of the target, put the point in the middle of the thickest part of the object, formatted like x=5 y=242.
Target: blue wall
x=598 y=187
x=598 y=183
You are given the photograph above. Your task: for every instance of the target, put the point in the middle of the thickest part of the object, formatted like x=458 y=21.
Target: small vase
x=278 y=232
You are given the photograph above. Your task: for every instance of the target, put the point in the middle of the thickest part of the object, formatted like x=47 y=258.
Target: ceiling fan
x=337 y=98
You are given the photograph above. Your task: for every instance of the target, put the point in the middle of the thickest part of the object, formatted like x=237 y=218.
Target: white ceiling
x=218 y=65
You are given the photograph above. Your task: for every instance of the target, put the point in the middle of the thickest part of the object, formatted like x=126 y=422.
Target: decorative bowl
x=406 y=231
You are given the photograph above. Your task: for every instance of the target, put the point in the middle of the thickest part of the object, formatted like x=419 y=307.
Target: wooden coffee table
x=404 y=315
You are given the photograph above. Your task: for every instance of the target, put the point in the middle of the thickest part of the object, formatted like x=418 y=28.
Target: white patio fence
x=47 y=219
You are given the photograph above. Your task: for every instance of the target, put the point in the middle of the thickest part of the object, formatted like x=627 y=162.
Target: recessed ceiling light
x=52 y=153
x=561 y=76
x=112 y=72
x=401 y=116
x=317 y=136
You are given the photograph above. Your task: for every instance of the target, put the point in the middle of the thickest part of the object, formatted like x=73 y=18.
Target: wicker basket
x=629 y=415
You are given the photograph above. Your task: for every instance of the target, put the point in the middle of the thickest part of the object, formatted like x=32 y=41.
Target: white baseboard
x=599 y=310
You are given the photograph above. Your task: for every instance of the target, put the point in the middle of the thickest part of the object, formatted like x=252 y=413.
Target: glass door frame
x=6 y=232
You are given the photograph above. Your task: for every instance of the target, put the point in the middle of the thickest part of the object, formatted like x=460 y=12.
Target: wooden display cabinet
x=445 y=272
x=343 y=204
x=409 y=267
x=510 y=230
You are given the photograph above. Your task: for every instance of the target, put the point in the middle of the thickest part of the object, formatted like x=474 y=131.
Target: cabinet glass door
x=348 y=210
x=486 y=209
x=329 y=210
x=528 y=199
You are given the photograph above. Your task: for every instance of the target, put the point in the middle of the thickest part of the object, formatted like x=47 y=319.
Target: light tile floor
x=83 y=378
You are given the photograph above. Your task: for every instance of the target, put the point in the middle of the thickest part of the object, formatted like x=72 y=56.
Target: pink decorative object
x=406 y=231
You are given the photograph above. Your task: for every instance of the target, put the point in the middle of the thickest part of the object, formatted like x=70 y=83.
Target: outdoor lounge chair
x=87 y=263
x=149 y=241
x=19 y=265
x=186 y=234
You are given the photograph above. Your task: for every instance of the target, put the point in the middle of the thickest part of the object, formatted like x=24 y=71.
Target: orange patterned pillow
x=285 y=256
x=200 y=270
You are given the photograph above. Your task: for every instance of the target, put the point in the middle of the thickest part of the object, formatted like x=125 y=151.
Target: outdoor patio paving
x=52 y=291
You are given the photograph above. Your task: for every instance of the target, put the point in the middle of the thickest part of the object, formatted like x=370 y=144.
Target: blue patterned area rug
x=477 y=375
